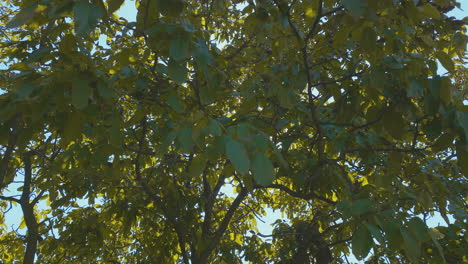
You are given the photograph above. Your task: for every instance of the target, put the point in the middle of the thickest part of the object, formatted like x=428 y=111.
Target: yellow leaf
x=310 y=12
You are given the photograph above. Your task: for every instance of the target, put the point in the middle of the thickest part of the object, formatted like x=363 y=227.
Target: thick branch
x=203 y=257
x=28 y=213
x=9 y=150
x=208 y=208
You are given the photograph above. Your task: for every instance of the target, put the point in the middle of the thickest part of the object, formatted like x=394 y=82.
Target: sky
x=129 y=11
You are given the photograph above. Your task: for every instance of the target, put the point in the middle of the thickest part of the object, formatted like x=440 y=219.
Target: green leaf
x=25 y=89
x=445 y=60
x=376 y=232
x=462 y=118
x=443 y=142
x=357 y=8
x=368 y=39
x=361 y=206
x=393 y=235
x=23 y=16
x=179 y=47
x=445 y=90
x=237 y=154
x=280 y=157
x=262 y=169
x=171 y=7
x=202 y=55
x=86 y=16
x=167 y=141
x=261 y=142
x=436 y=235
x=184 y=137
x=429 y=10
x=197 y=166
x=415 y=88
x=394 y=124
x=361 y=242
x=114 y=5
x=462 y=157
x=115 y=135
x=81 y=91
x=72 y=128
x=243 y=131
x=105 y=90
x=215 y=128
x=412 y=245
x=174 y=102
x=419 y=229
x=177 y=71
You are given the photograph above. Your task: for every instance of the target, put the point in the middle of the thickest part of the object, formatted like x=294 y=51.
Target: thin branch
x=344 y=78
x=316 y=21
x=384 y=150
x=38 y=197
x=238 y=50
x=11 y=199
x=304 y=196
x=339 y=242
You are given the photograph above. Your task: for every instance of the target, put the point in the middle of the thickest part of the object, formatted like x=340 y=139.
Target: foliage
x=162 y=140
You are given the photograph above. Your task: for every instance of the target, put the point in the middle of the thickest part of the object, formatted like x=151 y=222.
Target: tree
x=167 y=142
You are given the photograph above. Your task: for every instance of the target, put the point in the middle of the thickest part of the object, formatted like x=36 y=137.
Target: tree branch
x=304 y=196
x=203 y=257
x=13 y=137
x=28 y=212
x=11 y=199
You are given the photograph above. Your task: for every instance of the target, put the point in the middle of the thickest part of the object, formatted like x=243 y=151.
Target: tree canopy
x=165 y=139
